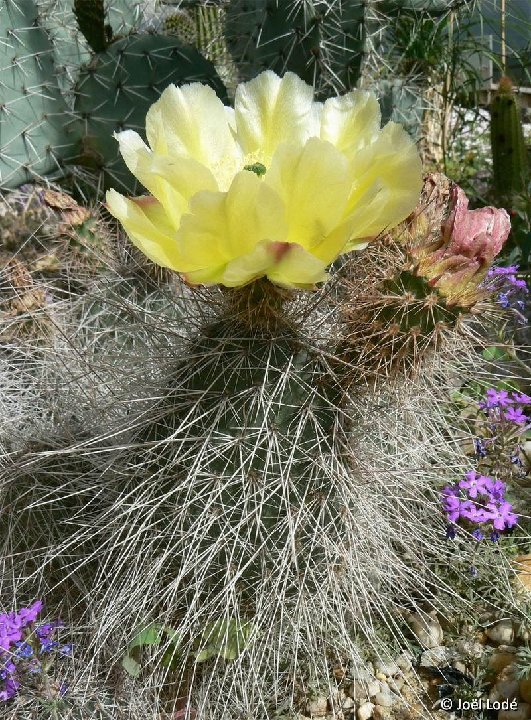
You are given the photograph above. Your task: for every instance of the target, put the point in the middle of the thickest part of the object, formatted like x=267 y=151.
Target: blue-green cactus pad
x=117 y=88
x=36 y=129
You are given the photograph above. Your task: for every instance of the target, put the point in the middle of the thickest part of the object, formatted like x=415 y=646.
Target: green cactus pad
x=322 y=44
x=37 y=130
x=115 y=91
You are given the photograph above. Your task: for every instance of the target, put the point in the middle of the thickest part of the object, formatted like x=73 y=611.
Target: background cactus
x=321 y=42
x=33 y=112
x=509 y=153
x=115 y=86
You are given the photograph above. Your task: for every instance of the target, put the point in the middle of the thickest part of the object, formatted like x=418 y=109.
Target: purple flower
x=29 y=615
x=48 y=645
x=496 y=489
x=494 y=536
x=522 y=398
x=8 y=669
x=477 y=534
x=23 y=650
x=452 y=505
x=498 y=270
x=501 y=515
x=504 y=301
x=518 y=284
x=44 y=631
x=498 y=397
x=10 y=689
x=469 y=511
x=515 y=415
x=475 y=484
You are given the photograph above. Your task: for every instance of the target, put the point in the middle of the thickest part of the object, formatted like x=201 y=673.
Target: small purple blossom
x=452 y=506
x=23 y=650
x=502 y=516
x=474 y=484
x=515 y=415
x=451 y=532
x=477 y=534
x=494 y=536
x=496 y=489
x=48 y=645
x=503 y=299
x=497 y=270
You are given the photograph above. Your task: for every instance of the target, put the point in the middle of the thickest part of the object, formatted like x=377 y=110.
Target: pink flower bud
x=476 y=234
x=457 y=257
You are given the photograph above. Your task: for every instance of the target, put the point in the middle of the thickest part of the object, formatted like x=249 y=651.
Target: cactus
x=130 y=72
x=509 y=154
x=128 y=77
x=33 y=113
x=243 y=472
x=321 y=42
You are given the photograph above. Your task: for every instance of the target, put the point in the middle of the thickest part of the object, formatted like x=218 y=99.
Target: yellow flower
x=279 y=186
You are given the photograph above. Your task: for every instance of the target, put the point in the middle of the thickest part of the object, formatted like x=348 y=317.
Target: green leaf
x=224 y=638
x=150 y=635
x=495 y=353
x=131 y=666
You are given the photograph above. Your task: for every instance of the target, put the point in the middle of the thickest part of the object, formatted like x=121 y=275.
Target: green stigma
x=257 y=168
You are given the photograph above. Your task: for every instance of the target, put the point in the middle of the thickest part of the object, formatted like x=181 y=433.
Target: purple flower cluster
x=478 y=499
x=510 y=289
x=24 y=645
x=500 y=406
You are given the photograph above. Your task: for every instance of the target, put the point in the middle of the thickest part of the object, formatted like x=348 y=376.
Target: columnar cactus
x=509 y=153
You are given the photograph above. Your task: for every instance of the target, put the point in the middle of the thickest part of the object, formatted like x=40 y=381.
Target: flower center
x=257 y=168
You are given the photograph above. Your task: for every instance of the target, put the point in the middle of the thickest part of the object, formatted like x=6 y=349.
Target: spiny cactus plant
x=46 y=129
x=33 y=112
x=509 y=154
x=220 y=467
x=320 y=41
x=432 y=269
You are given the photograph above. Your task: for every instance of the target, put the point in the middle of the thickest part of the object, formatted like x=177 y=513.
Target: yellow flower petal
x=223 y=226
x=270 y=110
x=146 y=224
x=248 y=267
x=297 y=268
x=351 y=122
x=388 y=181
x=172 y=181
x=314 y=183
x=191 y=121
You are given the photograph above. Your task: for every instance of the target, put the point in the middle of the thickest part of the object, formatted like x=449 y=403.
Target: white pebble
x=365 y=711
